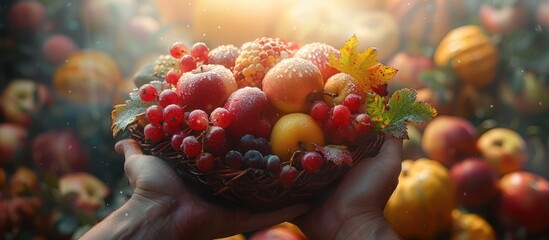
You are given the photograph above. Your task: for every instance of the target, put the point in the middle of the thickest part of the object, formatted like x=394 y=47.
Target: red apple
x=23 y=98
x=410 y=66
x=59 y=152
x=524 y=202
x=26 y=15
x=503 y=20
x=249 y=108
x=90 y=191
x=449 y=139
x=206 y=87
x=504 y=148
x=475 y=181
x=318 y=54
x=58 y=48
x=13 y=138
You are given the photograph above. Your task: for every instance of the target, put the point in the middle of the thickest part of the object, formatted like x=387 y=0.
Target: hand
x=172 y=210
x=355 y=207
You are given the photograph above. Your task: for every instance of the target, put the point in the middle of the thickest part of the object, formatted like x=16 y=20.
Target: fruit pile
x=268 y=123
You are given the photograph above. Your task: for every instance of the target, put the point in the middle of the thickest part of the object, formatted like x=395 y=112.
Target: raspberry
x=256 y=58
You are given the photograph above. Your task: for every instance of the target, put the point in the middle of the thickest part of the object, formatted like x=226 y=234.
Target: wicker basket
x=254 y=188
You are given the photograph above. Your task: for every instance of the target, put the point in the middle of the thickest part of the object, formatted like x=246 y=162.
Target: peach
x=294 y=131
x=449 y=139
x=338 y=86
x=504 y=148
x=206 y=87
x=318 y=54
x=293 y=84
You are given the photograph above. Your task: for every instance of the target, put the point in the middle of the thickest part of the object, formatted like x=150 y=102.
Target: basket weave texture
x=254 y=188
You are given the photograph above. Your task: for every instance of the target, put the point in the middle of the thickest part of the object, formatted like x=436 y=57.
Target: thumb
x=128 y=147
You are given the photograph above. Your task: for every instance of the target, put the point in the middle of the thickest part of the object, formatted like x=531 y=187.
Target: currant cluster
x=343 y=123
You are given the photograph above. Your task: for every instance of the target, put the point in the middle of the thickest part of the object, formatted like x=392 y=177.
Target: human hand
x=355 y=207
x=171 y=210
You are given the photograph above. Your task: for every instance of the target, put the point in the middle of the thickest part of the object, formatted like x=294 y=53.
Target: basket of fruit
x=269 y=123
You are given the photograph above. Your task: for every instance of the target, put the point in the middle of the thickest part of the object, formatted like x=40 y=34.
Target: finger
x=128 y=147
x=257 y=221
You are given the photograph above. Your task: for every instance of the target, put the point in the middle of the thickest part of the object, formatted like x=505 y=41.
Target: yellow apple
x=293 y=84
x=504 y=149
x=294 y=131
x=338 y=86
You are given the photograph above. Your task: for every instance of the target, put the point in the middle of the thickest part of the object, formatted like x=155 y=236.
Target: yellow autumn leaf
x=364 y=66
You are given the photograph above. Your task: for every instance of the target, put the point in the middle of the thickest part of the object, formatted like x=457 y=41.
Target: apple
x=293 y=84
x=26 y=15
x=249 y=108
x=410 y=66
x=319 y=53
x=294 y=131
x=504 y=20
x=59 y=152
x=542 y=14
x=90 y=191
x=57 y=48
x=449 y=139
x=475 y=181
x=338 y=86
x=23 y=181
x=277 y=232
x=504 y=148
x=524 y=202
x=13 y=138
x=21 y=99
x=206 y=87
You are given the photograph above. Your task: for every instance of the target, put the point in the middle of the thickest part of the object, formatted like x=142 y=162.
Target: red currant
x=381 y=90
x=177 y=140
x=312 y=162
x=198 y=120
x=341 y=115
x=191 y=146
x=178 y=49
x=154 y=132
x=168 y=97
x=148 y=92
x=287 y=176
x=173 y=114
x=217 y=140
x=187 y=63
x=221 y=117
x=200 y=51
x=154 y=114
x=353 y=101
x=319 y=111
x=172 y=76
x=205 y=162
x=363 y=123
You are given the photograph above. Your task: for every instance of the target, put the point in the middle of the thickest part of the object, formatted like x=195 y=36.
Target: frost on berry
x=224 y=55
x=256 y=58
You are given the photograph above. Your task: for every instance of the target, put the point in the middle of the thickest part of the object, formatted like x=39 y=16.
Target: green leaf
x=126 y=114
x=400 y=109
